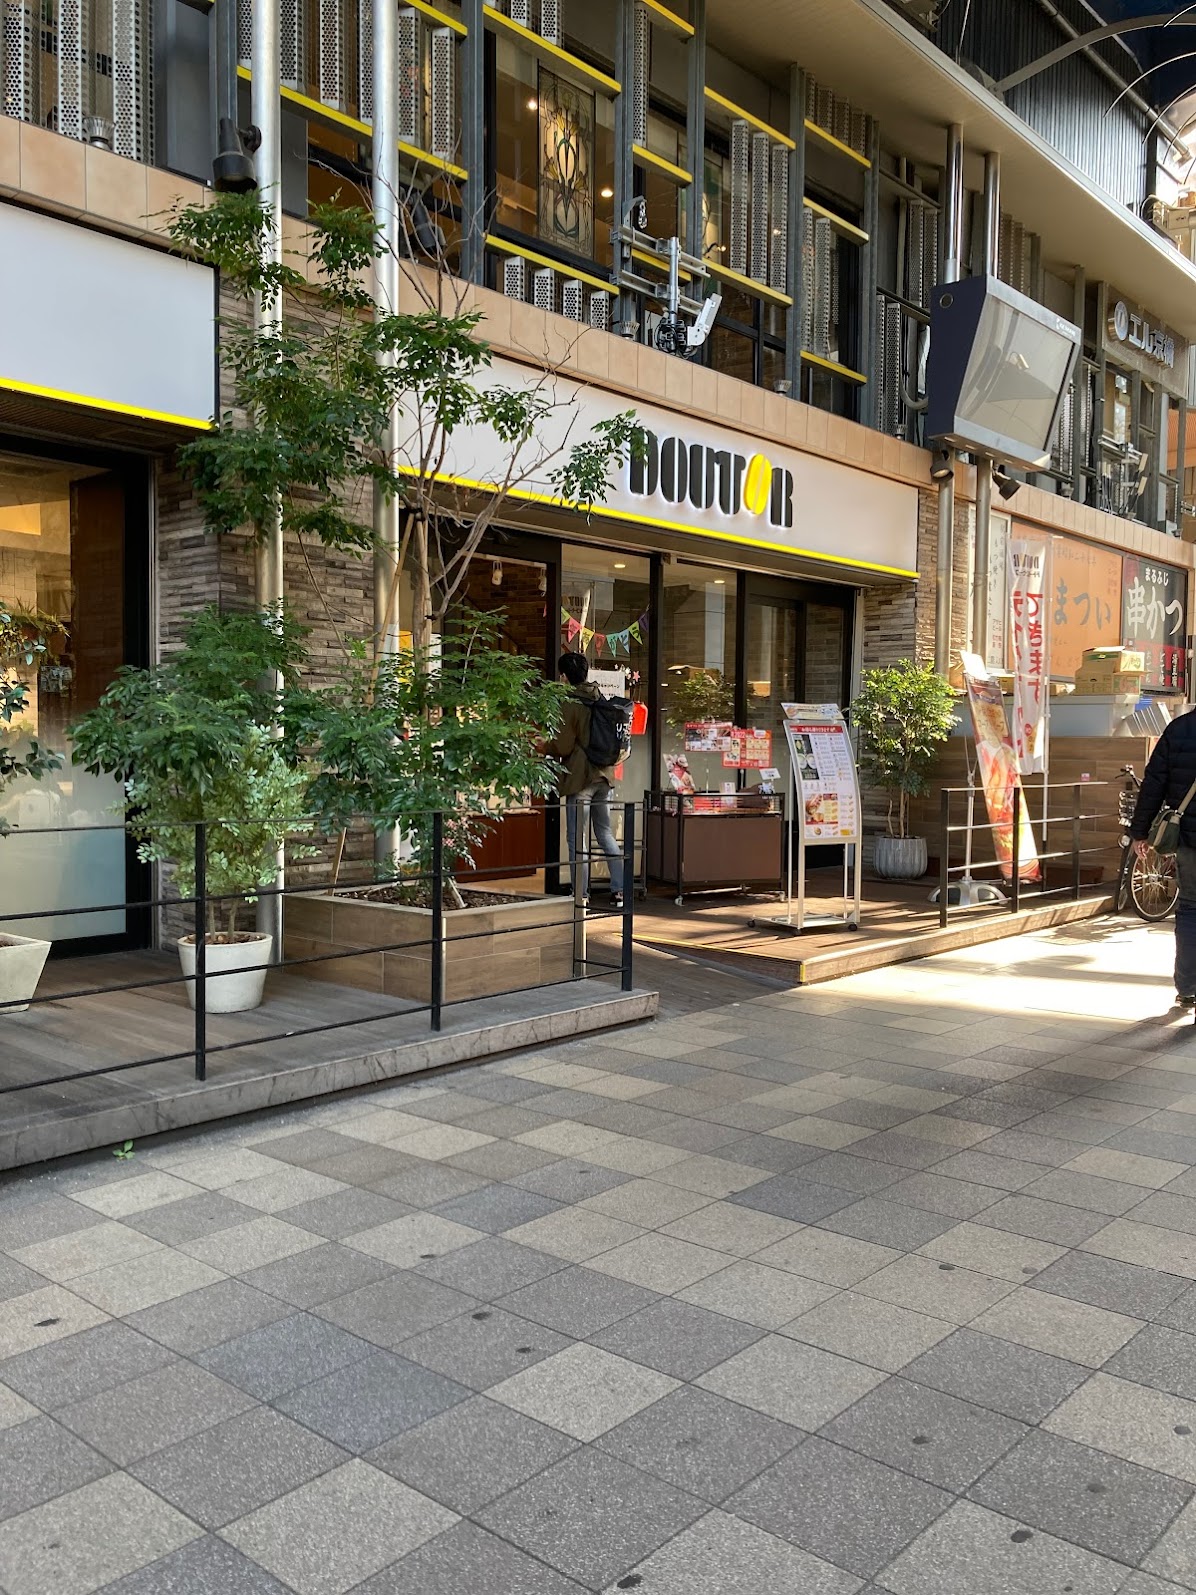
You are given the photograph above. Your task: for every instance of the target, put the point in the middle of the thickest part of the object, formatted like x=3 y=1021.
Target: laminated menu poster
x=748 y=750
x=708 y=736
x=824 y=779
x=1001 y=779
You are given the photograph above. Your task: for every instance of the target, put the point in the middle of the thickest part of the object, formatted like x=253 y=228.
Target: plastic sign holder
x=824 y=811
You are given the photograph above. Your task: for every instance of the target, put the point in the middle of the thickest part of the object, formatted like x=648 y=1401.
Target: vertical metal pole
x=695 y=128
x=793 y=229
x=945 y=557
x=944 y=853
x=624 y=173
x=869 y=276
x=1079 y=382
x=386 y=294
x=437 y=969
x=266 y=101
x=984 y=475
x=473 y=141
x=201 y=952
x=625 y=961
x=953 y=205
x=1075 y=842
x=1015 y=879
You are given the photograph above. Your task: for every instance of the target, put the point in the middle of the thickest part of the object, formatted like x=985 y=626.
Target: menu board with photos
x=824 y=777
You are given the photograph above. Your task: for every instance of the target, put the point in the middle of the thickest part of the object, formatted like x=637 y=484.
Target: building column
x=991 y=232
x=952 y=245
x=695 y=130
x=796 y=288
x=870 y=409
x=473 y=141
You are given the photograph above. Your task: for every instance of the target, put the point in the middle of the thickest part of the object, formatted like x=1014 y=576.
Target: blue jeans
x=1185 y=923
x=594 y=800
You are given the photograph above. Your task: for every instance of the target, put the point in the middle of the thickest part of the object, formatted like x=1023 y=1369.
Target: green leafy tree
x=701 y=695
x=23 y=635
x=902 y=714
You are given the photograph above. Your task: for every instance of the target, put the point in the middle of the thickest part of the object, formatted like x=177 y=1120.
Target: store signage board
x=1028 y=556
x=1137 y=341
x=749 y=750
x=697 y=477
x=1085 y=602
x=1153 y=610
x=1000 y=776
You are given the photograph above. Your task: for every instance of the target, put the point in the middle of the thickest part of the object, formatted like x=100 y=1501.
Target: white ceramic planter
x=900 y=858
x=228 y=993
x=22 y=959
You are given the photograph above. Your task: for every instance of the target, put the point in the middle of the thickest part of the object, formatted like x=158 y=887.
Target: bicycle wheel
x=1154 y=885
x=1121 y=897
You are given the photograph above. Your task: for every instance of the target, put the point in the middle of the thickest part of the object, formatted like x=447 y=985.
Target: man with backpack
x=1169 y=782
x=592 y=740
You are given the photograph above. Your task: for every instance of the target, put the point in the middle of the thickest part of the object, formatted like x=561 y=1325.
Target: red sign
x=749 y=750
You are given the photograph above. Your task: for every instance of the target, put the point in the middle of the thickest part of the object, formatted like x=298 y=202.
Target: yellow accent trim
x=109 y=406
x=845 y=372
x=748 y=284
x=646 y=259
x=343 y=123
x=636 y=519
x=740 y=114
x=671 y=170
x=668 y=19
x=541 y=46
x=441 y=17
x=503 y=248
x=834 y=143
x=847 y=227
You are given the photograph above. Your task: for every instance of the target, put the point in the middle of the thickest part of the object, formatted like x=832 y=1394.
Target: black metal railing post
x=944 y=854
x=628 y=894
x=437 y=970
x=1075 y=843
x=201 y=952
x=1015 y=876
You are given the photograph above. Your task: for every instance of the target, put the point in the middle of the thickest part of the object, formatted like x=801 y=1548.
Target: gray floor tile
x=871 y=1115
x=1161 y=1357
x=1044 y=1221
x=280 y=1356
x=363 y=1405
x=984 y=1553
x=852 y=1172
x=83 y=1365
x=904 y=1151
x=39 y=1460
x=583 y=1391
x=422 y=1185
x=17 y=1280
x=766 y=1152
x=367 y=1164
x=496 y=1208
x=984 y=1168
x=1148 y=1427
x=934 y=1194
x=578 y=1301
x=802 y=1385
x=726 y=1554
x=840 y=1505
x=309 y=1148
x=191 y=1218
x=205 y=1567
x=568 y=1180
x=86 y=1539
x=345 y=1213
x=395 y=1308
x=1005 y=1378
x=676 y=1339
x=497 y=1160
x=1180 y=1313
x=1148 y=1584
x=471 y=1454
x=1089 y=1191
x=134 y=1419
x=480 y=1348
x=1174 y=1557
x=239 y=1465
x=333 y=1533
x=491 y=1268
x=804 y=1201
x=701 y=1443
x=591 y=1516
x=43 y=1217
x=934 y=1436
x=1168 y=1211
x=311 y=1278
x=467 y=1561
x=885 y=1222
x=205 y=1318
x=1103 y=1282
x=874 y=1332
x=1086 y=1496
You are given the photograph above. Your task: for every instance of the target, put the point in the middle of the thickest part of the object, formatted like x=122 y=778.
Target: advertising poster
x=824 y=778
x=1027 y=615
x=1085 y=602
x=1153 y=619
x=749 y=750
x=1000 y=779
x=709 y=736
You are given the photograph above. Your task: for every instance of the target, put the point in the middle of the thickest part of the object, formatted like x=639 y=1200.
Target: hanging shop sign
x=1000 y=778
x=696 y=477
x=1085 y=602
x=1027 y=613
x=1135 y=339
x=1153 y=620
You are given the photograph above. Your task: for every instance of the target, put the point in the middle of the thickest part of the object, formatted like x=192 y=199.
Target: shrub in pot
x=23 y=639
x=902 y=714
x=192 y=740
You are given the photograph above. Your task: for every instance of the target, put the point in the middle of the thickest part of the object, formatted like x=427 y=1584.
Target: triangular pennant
x=599 y=642
x=587 y=637
x=573 y=628
x=566 y=617
x=633 y=631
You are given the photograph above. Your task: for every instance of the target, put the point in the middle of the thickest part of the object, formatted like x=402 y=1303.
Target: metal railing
x=192 y=912
x=1007 y=875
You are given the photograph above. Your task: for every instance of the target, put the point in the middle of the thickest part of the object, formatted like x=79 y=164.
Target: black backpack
x=609 y=740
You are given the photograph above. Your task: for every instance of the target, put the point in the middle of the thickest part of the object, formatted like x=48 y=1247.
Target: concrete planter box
x=21 y=961
x=489 y=950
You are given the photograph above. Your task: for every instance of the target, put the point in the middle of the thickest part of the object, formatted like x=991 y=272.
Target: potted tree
x=23 y=639
x=192 y=740
x=902 y=714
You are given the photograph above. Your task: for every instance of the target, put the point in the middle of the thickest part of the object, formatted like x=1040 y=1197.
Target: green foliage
x=456 y=730
x=23 y=634
x=701 y=695
x=902 y=714
x=190 y=738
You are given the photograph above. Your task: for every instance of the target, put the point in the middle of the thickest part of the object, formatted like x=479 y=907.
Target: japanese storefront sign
x=1000 y=778
x=824 y=779
x=1028 y=621
x=1153 y=610
x=996 y=654
x=1138 y=341
x=1085 y=602
x=708 y=736
x=748 y=750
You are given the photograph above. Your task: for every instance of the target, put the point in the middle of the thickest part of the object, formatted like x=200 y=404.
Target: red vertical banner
x=1031 y=674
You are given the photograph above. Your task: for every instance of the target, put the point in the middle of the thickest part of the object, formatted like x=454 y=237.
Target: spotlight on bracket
x=1005 y=482
x=942 y=466
x=233 y=171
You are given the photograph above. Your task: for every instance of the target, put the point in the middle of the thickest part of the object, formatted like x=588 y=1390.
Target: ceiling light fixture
x=607 y=193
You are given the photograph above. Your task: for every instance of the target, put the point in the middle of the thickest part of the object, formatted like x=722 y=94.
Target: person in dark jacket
x=585 y=787
x=1170 y=772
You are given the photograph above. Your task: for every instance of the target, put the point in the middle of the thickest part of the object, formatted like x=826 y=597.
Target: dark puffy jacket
x=1169 y=774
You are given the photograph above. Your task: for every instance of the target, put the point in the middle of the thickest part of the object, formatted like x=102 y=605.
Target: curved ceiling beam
x=1085 y=41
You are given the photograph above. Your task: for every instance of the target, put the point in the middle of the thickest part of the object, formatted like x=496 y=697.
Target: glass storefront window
x=699 y=641
x=62 y=556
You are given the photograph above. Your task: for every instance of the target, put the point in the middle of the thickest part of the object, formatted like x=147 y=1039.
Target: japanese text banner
x=1027 y=605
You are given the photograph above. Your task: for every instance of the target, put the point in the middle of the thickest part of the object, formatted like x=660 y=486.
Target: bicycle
x=1149 y=884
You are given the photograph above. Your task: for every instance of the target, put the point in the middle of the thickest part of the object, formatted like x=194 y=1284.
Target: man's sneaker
x=1185 y=1000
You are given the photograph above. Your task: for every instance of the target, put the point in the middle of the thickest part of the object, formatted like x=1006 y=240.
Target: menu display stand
x=824 y=809
x=710 y=841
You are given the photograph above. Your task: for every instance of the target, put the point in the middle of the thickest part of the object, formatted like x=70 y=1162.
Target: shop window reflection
x=699 y=653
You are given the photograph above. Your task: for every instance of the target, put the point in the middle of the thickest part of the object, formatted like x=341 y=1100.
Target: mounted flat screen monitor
x=998 y=371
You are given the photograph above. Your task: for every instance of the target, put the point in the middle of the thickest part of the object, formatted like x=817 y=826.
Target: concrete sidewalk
x=889 y=1285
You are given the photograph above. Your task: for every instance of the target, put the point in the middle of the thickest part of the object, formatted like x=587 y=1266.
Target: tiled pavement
x=889 y=1286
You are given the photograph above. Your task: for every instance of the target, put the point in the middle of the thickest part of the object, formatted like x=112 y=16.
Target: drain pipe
x=984 y=466
x=952 y=250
